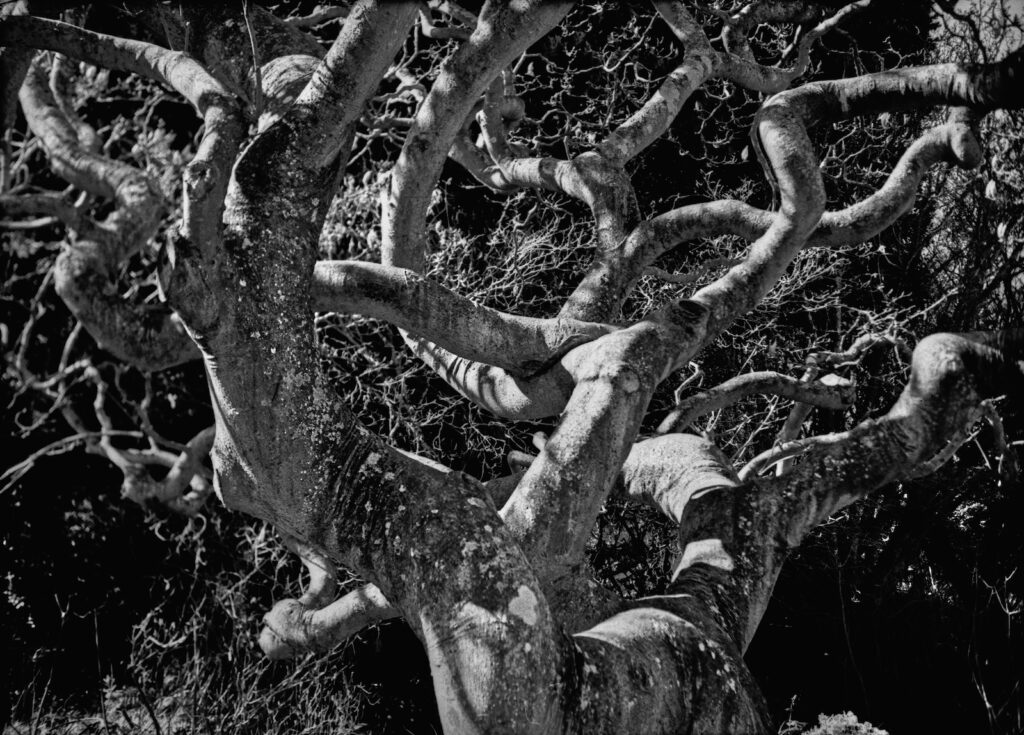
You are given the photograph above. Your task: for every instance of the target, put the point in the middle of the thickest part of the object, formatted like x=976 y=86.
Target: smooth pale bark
x=545 y=394
x=609 y=281
x=504 y=31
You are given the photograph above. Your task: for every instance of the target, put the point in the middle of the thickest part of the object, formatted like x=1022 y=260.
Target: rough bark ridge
x=488 y=576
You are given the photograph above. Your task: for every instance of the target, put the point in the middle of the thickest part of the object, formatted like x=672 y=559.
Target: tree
x=490 y=575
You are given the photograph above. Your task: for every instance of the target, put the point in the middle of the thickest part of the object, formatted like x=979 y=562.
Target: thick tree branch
x=499 y=391
x=503 y=32
x=176 y=69
x=316 y=621
x=522 y=345
x=293 y=627
x=557 y=501
x=334 y=99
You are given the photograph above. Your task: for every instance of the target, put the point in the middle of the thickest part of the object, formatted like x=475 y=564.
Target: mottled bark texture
x=516 y=642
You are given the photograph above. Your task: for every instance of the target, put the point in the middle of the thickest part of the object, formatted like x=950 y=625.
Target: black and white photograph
x=499 y=367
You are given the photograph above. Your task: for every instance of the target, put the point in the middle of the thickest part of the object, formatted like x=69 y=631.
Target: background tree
x=242 y=241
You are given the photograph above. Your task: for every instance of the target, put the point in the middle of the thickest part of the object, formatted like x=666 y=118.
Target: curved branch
x=440 y=33
x=503 y=32
x=149 y=336
x=700 y=63
x=951 y=142
x=499 y=391
x=184 y=471
x=781 y=452
x=206 y=176
x=173 y=491
x=746 y=72
x=334 y=99
x=291 y=627
x=952 y=376
x=178 y=70
x=856 y=351
x=831 y=392
x=800 y=411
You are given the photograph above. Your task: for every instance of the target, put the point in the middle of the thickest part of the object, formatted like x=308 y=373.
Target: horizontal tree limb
x=410 y=301
x=835 y=393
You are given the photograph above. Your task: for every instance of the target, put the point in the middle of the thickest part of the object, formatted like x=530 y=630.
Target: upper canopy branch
x=741 y=67
x=951 y=142
x=780 y=126
x=650 y=122
x=949 y=84
x=176 y=69
x=504 y=31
